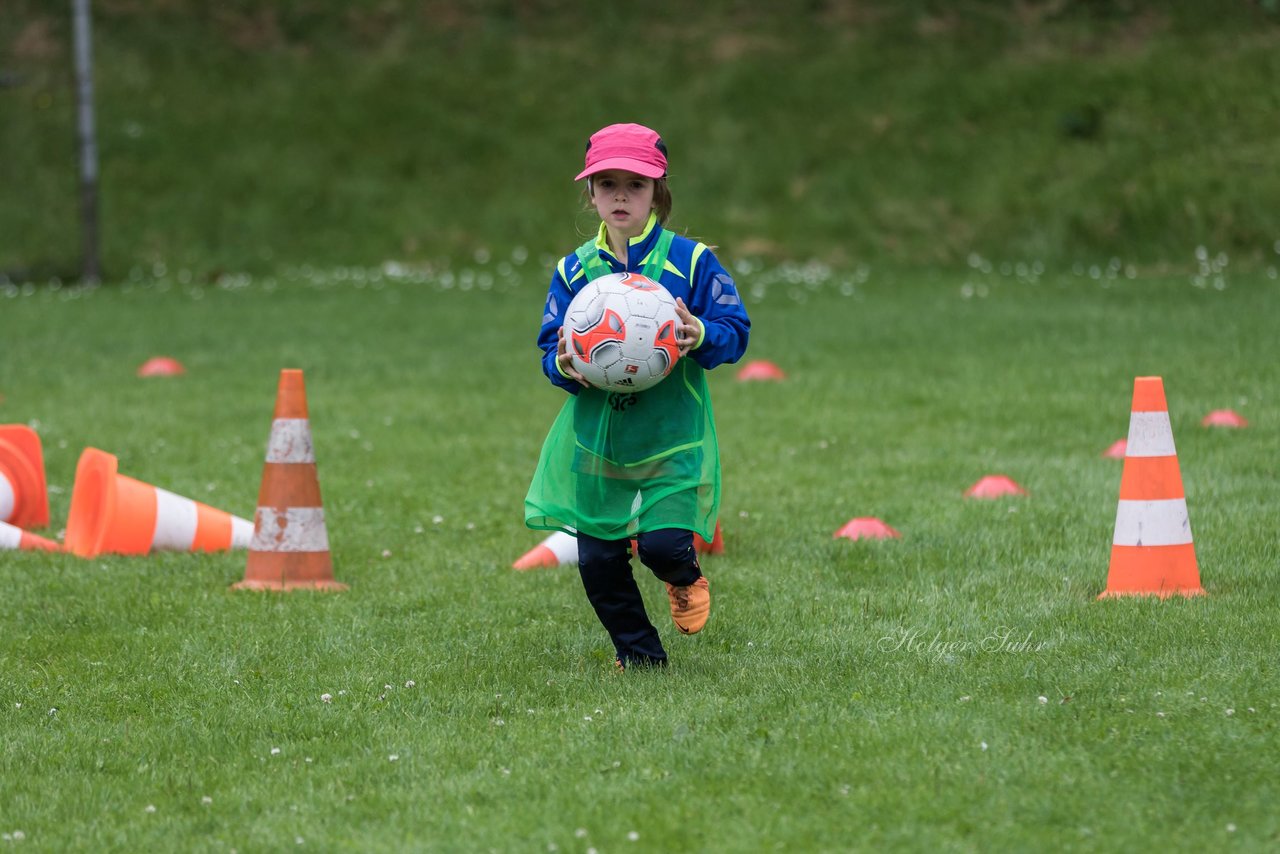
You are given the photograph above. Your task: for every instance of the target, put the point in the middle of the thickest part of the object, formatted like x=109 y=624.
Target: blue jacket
x=692 y=273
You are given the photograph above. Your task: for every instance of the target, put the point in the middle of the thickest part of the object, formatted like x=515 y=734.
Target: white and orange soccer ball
x=621 y=332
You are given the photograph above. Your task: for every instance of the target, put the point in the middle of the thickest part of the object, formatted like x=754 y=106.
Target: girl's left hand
x=689 y=330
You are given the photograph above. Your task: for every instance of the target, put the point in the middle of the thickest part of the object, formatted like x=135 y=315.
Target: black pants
x=605 y=567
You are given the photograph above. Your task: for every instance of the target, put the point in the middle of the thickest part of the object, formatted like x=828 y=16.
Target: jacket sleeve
x=558 y=298
x=715 y=301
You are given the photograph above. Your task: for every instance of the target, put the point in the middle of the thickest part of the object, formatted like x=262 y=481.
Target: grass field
x=957 y=689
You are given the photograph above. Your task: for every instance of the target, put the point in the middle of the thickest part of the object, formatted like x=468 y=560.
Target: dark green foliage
x=252 y=136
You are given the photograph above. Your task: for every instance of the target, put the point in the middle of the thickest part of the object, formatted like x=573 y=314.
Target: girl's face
x=623 y=200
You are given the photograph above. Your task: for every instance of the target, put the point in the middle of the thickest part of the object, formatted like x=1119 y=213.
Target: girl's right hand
x=565 y=362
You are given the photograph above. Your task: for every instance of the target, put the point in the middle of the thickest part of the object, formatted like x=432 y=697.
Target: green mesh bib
x=615 y=464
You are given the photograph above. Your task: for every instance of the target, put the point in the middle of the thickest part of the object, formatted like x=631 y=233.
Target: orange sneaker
x=690 y=605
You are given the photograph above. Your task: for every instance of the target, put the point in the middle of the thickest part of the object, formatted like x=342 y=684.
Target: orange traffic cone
x=715 y=547
x=15 y=538
x=994 y=486
x=561 y=549
x=760 y=370
x=866 y=528
x=24 y=495
x=114 y=514
x=556 y=550
x=290 y=547
x=1151 y=551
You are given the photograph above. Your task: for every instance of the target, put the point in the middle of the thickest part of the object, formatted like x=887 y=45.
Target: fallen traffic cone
x=1224 y=418
x=114 y=514
x=12 y=537
x=561 y=549
x=994 y=486
x=24 y=495
x=760 y=370
x=290 y=547
x=556 y=550
x=1116 y=450
x=1151 y=551
x=161 y=366
x=866 y=528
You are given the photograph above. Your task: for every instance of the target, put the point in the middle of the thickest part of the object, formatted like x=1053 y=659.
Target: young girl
x=617 y=466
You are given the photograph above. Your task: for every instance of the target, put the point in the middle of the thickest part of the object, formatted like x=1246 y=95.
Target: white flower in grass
x=275 y=751
x=581 y=833
x=984 y=745
x=1042 y=700
x=633 y=837
x=206 y=800
x=395 y=757
x=326 y=698
x=17 y=705
x=1159 y=714
x=298 y=840
x=586 y=717
x=499 y=722
x=386 y=552
x=386 y=687
x=1230 y=712
x=150 y=808
x=410 y=684
x=966 y=698
x=52 y=712
x=1231 y=828
x=437 y=519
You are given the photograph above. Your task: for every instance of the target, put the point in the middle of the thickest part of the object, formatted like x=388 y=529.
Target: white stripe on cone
x=10 y=537
x=8 y=500
x=1150 y=435
x=1152 y=523
x=290 y=441
x=563 y=546
x=241 y=533
x=176 y=521
x=297 y=529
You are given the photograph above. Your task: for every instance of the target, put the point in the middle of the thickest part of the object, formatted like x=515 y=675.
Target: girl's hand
x=689 y=330
x=565 y=361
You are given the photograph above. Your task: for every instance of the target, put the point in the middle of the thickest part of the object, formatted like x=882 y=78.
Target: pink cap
x=634 y=148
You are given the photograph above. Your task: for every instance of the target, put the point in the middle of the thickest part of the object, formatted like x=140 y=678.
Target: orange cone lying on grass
x=290 y=547
x=1151 y=552
x=561 y=549
x=115 y=514
x=12 y=537
x=24 y=495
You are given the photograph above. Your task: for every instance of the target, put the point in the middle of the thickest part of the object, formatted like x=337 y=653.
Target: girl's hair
x=661 y=199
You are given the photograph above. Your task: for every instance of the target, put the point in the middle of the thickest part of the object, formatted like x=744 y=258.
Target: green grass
x=253 y=137
x=844 y=695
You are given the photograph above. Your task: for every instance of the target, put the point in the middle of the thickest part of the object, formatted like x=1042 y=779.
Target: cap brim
x=630 y=164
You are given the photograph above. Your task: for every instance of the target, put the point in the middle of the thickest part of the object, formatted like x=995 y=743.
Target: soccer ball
x=621 y=332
